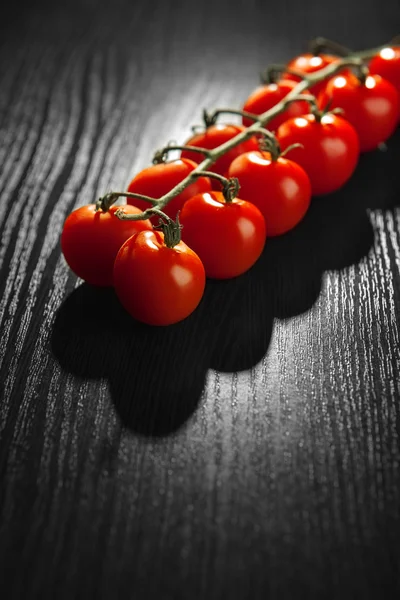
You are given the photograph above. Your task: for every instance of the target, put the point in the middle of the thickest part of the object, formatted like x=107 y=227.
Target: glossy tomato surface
x=91 y=239
x=309 y=63
x=228 y=236
x=214 y=136
x=280 y=188
x=387 y=65
x=157 y=180
x=266 y=96
x=372 y=108
x=330 y=149
x=158 y=285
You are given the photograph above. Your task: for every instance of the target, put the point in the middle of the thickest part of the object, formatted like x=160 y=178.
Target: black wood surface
x=251 y=451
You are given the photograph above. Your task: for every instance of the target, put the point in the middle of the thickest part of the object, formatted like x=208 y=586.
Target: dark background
x=251 y=451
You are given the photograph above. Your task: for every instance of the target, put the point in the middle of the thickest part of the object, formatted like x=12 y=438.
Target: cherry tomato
x=309 y=63
x=330 y=149
x=387 y=65
x=214 y=136
x=228 y=236
x=280 y=188
x=91 y=239
x=266 y=96
x=158 y=285
x=157 y=180
x=372 y=108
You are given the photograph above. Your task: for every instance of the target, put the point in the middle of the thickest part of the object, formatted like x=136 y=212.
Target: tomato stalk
x=230 y=187
x=105 y=202
x=355 y=59
x=269 y=143
x=361 y=72
x=160 y=156
x=317 y=112
x=273 y=73
x=312 y=101
x=321 y=44
x=170 y=228
x=211 y=118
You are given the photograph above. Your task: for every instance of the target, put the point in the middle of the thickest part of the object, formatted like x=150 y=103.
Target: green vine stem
x=230 y=187
x=321 y=112
x=216 y=153
x=269 y=143
x=312 y=101
x=105 y=202
x=367 y=54
x=211 y=118
x=273 y=72
x=160 y=156
x=361 y=72
x=170 y=228
x=291 y=147
x=321 y=44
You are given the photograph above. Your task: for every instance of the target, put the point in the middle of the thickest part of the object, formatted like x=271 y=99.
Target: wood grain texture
x=251 y=451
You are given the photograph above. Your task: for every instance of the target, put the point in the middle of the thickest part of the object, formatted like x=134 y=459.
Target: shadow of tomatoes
x=157 y=375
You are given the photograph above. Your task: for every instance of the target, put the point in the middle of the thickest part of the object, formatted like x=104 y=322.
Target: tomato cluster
x=159 y=265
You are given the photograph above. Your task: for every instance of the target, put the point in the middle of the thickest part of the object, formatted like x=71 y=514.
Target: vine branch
x=354 y=60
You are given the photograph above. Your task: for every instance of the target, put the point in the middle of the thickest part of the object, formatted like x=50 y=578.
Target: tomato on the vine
x=228 y=236
x=280 y=188
x=159 y=179
x=214 y=136
x=371 y=107
x=310 y=63
x=91 y=239
x=330 y=149
x=156 y=284
x=266 y=96
x=387 y=65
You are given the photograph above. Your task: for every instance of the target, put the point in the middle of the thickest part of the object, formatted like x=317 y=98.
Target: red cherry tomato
x=214 y=136
x=387 y=65
x=157 y=180
x=158 y=285
x=266 y=96
x=330 y=152
x=228 y=236
x=372 y=108
x=91 y=239
x=280 y=188
x=309 y=63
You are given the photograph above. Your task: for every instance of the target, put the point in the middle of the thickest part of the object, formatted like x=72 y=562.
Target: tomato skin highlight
x=91 y=239
x=214 y=136
x=266 y=96
x=157 y=180
x=387 y=65
x=309 y=63
x=280 y=188
x=372 y=108
x=158 y=285
x=330 y=149
x=228 y=236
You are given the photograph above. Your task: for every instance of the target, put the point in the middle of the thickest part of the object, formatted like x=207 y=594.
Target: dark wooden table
x=251 y=451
